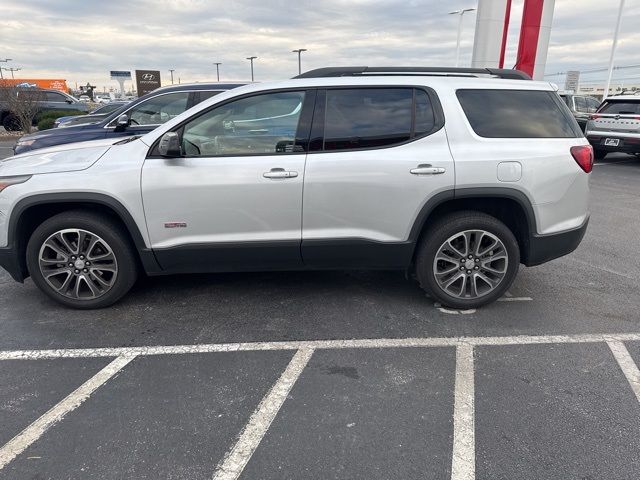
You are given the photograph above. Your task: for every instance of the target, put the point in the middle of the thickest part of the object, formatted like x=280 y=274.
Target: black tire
x=599 y=154
x=105 y=228
x=450 y=225
x=10 y=123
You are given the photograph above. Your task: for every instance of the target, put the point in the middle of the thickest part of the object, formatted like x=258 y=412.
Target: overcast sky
x=82 y=41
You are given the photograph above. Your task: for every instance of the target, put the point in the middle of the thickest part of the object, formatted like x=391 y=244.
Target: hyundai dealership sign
x=147 y=81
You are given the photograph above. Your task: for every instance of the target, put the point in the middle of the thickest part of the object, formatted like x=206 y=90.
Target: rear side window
x=375 y=117
x=618 y=107
x=517 y=114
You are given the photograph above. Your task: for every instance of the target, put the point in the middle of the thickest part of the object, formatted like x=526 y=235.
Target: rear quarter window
x=517 y=114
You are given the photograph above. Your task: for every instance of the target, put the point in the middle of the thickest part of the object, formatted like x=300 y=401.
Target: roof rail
x=444 y=71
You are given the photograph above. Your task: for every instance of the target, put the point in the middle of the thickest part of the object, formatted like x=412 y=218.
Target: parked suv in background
x=581 y=107
x=432 y=171
x=615 y=127
x=51 y=100
x=137 y=118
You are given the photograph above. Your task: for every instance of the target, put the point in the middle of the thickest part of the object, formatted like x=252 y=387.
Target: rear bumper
x=626 y=145
x=10 y=261
x=543 y=248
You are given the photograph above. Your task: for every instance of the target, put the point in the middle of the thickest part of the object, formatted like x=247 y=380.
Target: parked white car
x=457 y=175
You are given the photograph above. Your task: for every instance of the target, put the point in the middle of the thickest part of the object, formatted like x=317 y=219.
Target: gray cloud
x=82 y=41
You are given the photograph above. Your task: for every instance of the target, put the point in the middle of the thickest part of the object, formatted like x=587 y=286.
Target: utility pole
x=4 y=60
x=217 y=64
x=171 y=70
x=613 y=51
x=11 y=70
x=461 y=14
x=299 y=51
x=251 y=59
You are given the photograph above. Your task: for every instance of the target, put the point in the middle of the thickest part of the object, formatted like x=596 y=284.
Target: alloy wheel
x=470 y=264
x=78 y=264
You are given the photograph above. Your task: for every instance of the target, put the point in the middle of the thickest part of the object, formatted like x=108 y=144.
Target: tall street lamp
x=251 y=59
x=461 y=14
x=299 y=51
x=171 y=70
x=11 y=70
x=613 y=50
x=4 y=60
x=217 y=64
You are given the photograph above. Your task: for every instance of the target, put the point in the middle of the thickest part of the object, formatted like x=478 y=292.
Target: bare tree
x=22 y=105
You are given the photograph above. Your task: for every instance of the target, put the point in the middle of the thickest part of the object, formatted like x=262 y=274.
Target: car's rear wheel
x=81 y=260
x=467 y=260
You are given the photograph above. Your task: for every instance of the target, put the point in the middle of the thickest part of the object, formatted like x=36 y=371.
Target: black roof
x=444 y=71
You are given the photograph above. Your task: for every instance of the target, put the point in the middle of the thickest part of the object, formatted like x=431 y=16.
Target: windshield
x=108 y=108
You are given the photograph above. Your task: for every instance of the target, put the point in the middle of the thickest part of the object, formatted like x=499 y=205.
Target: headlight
x=25 y=143
x=8 y=181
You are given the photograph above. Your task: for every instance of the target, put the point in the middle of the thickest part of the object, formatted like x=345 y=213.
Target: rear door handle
x=280 y=173
x=426 y=169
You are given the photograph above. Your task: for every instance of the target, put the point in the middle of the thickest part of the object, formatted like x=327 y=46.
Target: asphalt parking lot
x=347 y=374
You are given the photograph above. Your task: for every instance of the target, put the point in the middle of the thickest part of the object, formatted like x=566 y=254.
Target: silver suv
x=615 y=127
x=428 y=170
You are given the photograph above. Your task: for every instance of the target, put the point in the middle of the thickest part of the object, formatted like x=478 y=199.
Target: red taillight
x=583 y=155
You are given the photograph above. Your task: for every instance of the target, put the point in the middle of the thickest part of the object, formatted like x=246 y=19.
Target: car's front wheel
x=467 y=260
x=81 y=260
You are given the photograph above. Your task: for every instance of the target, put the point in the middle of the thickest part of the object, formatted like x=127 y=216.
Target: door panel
x=234 y=200
x=360 y=202
x=372 y=194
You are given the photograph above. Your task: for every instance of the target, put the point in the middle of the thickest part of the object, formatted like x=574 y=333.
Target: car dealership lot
x=248 y=372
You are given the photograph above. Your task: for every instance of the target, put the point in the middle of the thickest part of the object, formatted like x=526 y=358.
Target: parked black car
x=582 y=106
x=137 y=118
x=51 y=100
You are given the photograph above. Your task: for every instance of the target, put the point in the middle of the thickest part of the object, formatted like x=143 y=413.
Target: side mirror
x=68 y=100
x=122 y=123
x=169 y=145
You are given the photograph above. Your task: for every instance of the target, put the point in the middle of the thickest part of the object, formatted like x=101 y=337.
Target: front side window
x=262 y=124
x=158 y=110
x=517 y=114
x=55 y=97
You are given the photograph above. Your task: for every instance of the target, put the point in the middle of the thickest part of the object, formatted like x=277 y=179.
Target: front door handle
x=427 y=169
x=280 y=173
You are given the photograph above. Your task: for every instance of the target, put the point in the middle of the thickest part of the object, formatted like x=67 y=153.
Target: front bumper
x=543 y=248
x=10 y=261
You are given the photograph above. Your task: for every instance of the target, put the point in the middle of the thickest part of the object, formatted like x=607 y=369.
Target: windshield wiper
x=128 y=139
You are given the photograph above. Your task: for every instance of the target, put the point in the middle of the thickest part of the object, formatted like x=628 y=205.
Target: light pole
x=251 y=59
x=299 y=51
x=171 y=70
x=461 y=14
x=11 y=70
x=217 y=64
x=5 y=60
x=613 y=50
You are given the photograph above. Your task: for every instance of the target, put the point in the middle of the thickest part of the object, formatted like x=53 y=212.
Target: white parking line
x=628 y=366
x=316 y=345
x=21 y=442
x=238 y=457
x=463 y=461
